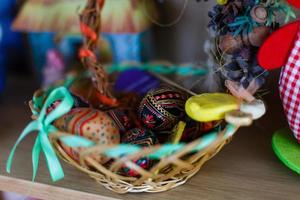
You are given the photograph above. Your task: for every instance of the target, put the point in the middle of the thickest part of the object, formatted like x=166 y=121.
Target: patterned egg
x=91 y=124
x=144 y=138
x=124 y=118
x=194 y=129
x=162 y=108
x=187 y=131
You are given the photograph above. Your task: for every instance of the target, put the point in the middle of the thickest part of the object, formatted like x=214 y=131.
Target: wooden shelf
x=245 y=169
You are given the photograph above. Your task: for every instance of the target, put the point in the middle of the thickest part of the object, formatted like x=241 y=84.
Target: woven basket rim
x=124 y=184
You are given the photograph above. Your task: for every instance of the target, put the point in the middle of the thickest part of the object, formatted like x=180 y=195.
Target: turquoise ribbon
x=183 y=70
x=38 y=101
x=44 y=127
x=281 y=8
x=243 y=23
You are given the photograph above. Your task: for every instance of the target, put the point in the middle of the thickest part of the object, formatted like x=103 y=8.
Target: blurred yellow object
x=177 y=132
x=222 y=2
x=210 y=106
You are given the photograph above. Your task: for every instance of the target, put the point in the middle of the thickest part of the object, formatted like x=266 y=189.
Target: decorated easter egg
x=137 y=81
x=141 y=137
x=125 y=119
x=194 y=129
x=209 y=107
x=162 y=108
x=89 y=123
x=190 y=130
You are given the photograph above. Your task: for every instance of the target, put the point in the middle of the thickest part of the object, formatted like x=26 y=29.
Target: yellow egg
x=210 y=106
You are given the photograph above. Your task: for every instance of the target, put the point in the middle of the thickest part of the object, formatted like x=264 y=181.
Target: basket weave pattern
x=167 y=173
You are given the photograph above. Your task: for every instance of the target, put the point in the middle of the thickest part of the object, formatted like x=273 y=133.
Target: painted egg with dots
x=162 y=108
x=91 y=124
x=143 y=138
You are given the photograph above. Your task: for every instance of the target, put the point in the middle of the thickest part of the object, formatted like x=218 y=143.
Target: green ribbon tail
x=53 y=164
x=29 y=128
x=35 y=157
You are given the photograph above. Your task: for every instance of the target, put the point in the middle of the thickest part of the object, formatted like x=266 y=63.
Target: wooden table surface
x=245 y=169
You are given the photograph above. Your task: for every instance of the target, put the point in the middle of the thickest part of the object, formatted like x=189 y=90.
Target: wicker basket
x=173 y=164
x=169 y=172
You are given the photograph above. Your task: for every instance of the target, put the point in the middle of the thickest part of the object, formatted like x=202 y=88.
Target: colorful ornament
x=144 y=138
x=286 y=53
x=92 y=124
x=137 y=81
x=162 y=108
x=242 y=26
x=210 y=106
x=124 y=118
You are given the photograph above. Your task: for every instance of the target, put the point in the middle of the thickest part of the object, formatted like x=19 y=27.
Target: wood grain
x=245 y=169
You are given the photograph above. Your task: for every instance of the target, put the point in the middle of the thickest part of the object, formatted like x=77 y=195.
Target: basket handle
x=90 y=24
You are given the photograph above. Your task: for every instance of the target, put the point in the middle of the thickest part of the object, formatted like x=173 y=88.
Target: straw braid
x=90 y=24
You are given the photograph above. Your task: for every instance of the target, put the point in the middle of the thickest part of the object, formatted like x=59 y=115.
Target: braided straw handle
x=90 y=24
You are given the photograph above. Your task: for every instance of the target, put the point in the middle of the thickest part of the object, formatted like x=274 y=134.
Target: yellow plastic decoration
x=222 y=2
x=177 y=132
x=210 y=106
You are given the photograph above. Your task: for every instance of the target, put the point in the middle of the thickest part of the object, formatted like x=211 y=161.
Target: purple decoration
x=54 y=69
x=137 y=81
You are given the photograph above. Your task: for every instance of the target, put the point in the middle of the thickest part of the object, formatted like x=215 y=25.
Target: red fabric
x=289 y=87
x=295 y=3
x=275 y=50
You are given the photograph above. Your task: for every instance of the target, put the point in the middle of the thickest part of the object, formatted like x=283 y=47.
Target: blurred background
x=23 y=50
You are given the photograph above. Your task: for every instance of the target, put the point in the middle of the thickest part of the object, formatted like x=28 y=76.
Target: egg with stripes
x=91 y=124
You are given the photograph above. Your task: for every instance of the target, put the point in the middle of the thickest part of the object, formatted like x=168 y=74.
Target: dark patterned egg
x=92 y=124
x=144 y=138
x=194 y=129
x=162 y=108
x=124 y=118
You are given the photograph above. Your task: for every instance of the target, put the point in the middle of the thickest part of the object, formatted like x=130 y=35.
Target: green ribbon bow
x=44 y=127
